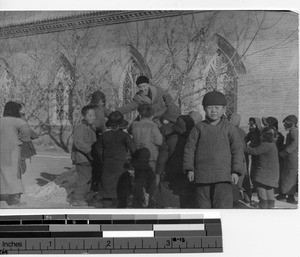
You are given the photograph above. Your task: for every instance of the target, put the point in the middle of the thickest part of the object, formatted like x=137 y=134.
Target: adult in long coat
x=148 y=94
x=12 y=128
x=290 y=155
x=174 y=189
x=113 y=146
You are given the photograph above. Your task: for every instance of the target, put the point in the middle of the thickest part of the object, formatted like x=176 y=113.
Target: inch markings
x=100 y=234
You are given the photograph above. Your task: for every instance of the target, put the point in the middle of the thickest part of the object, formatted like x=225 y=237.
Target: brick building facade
x=59 y=58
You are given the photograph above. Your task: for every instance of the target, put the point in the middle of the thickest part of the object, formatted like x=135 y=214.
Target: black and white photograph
x=152 y=109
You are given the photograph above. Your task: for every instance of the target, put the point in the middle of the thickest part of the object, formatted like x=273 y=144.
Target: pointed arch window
x=224 y=69
x=7 y=82
x=60 y=98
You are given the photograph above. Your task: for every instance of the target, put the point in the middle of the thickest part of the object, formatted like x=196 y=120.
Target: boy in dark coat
x=213 y=155
x=290 y=155
x=266 y=176
x=113 y=146
x=174 y=189
x=83 y=138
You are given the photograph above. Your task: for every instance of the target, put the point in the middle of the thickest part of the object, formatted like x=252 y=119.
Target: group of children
x=180 y=161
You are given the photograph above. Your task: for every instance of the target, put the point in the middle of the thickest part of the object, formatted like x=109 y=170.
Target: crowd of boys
x=164 y=159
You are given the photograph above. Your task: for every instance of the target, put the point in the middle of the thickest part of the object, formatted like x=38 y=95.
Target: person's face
x=143 y=88
x=288 y=125
x=101 y=103
x=252 y=125
x=214 y=112
x=90 y=116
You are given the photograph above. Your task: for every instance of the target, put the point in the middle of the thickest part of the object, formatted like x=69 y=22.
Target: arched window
x=135 y=67
x=61 y=80
x=7 y=82
x=224 y=69
x=60 y=98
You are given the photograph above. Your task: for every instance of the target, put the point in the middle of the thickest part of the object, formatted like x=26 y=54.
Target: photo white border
x=246 y=233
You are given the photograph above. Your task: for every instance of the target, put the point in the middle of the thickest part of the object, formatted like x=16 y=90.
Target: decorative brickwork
x=81 y=21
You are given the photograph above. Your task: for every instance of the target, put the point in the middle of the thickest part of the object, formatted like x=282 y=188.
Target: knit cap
x=97 y=96
x=214 y=98
x=272 y=122
x=141 y=80
x=12 y=109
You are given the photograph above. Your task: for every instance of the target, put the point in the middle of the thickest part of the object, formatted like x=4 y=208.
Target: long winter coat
x=267 y=171
x=113 y=146
x=146 y=134
x=157 y=97
x=214 y=152
x=290 y=167
x=10 y=153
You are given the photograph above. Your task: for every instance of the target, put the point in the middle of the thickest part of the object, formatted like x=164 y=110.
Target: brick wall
x=271 y=85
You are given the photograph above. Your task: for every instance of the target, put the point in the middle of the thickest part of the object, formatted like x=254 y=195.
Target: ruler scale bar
x=110 y=233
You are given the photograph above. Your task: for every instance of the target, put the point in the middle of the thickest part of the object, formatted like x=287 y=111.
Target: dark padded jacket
x=214 y=152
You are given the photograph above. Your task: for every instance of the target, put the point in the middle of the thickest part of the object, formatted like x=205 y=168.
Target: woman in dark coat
x=113 y=145
x=174 y=190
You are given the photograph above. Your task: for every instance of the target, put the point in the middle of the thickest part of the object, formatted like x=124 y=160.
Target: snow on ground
x=49 y=181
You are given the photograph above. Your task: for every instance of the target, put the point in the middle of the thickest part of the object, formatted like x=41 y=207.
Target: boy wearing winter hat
x=213 y=155
x=113 y=147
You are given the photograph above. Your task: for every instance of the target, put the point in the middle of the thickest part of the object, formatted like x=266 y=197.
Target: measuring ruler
x=110 y=234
